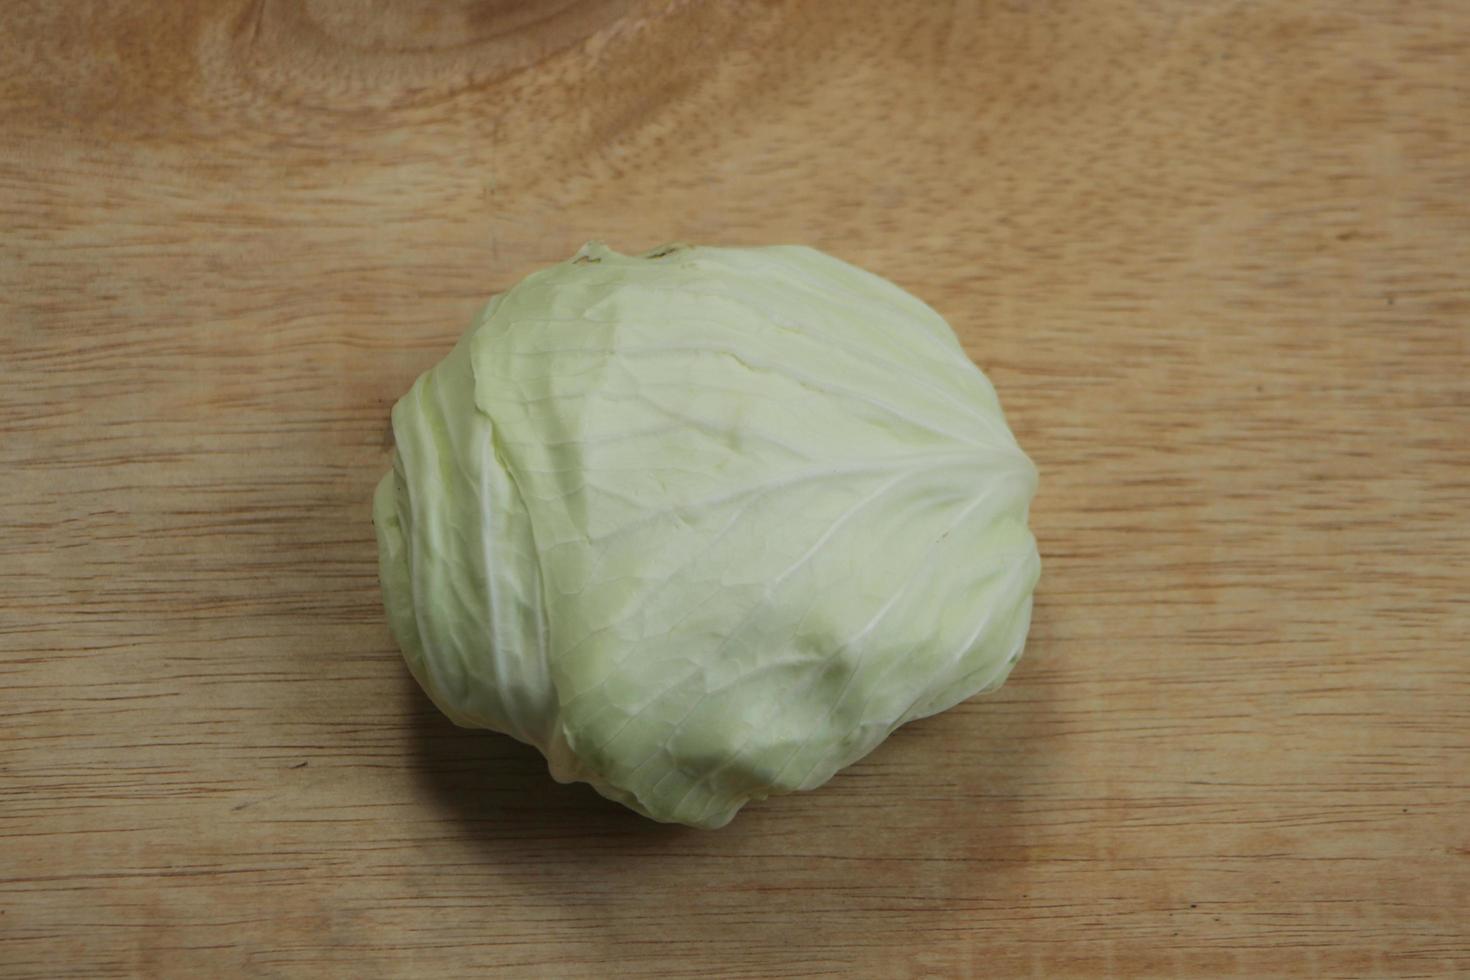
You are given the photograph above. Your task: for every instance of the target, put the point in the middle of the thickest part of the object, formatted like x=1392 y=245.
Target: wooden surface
x=1213 y=255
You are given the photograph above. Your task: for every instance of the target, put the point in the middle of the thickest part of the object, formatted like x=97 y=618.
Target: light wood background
x=1214 y=255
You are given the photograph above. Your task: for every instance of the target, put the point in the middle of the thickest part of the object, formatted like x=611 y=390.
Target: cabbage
x=706 y=524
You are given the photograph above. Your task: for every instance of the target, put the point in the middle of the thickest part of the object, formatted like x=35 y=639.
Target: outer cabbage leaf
x=705 y=525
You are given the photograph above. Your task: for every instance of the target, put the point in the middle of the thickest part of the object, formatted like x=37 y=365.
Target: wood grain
x=1213 y=255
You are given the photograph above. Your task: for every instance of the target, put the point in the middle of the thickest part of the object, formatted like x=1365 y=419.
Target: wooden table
x=1213 y=255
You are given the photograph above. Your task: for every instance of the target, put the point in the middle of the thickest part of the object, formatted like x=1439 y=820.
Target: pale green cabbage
x=706 y=524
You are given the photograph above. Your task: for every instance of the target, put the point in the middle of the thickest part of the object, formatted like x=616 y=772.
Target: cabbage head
x=706 y=524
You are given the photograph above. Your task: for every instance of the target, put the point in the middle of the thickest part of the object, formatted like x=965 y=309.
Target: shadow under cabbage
x=964 y=772
x=499 y=787
x=945 y=818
